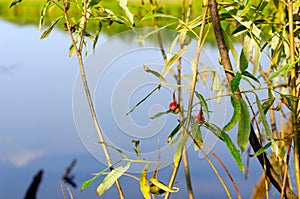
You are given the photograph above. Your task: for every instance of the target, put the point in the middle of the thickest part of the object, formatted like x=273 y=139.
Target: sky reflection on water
x=37 y=130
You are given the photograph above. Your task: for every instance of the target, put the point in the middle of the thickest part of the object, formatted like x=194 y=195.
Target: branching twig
x=270 y=172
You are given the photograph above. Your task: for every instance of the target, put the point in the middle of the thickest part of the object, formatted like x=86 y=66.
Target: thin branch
x=87 y=91
x=270 y=172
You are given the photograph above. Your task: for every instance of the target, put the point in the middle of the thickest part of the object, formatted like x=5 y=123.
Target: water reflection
x=37 y=129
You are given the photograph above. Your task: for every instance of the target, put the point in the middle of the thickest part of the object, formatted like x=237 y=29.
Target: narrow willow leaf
x=163 y=186
x=235 y=82
x=196 y=133
x=175 y=130
x=263 y=118
x=243 y=61
x=239 y=30
x=14 y=3
x=179 y=149
x=160 y=114
x=156 y=88
x=123 y=4
x=43 y=13
x=203 y=103
x=278 y=72
x=244 y=126
x=173 y=44
x=262 y=149
x=111 y=178
x=71 y=50
x=214 y=129
x=50 y=28
x=256 y=57
x=246 y=8
x=171 y=61
x=150 y=16
x=234 y=151
x=98 y=31
x=247 y=74
x=266 y=106
x=155 y=73
x=87 y=183
x=135 y=148
x=229 y=42
x=114 y=148
x=236 y=114
x=142 y=38
x=144 y=186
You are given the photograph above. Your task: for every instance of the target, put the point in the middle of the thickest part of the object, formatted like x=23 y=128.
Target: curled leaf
x=235 y=116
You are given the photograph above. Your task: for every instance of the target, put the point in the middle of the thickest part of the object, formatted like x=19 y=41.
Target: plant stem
x=86 y=87
x=270 y=172
x=293 y=86
x=190 y=104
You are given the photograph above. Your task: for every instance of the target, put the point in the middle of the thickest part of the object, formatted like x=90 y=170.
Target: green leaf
x=163 y=186
x=144 y=186
x=155 y=73
x=233 y=150
x=229 y=42
x=87 y=183
x=267 y=129
x=235 y=82
x=156 y=88
x=175 y=130
x=262 y=149
x=243 y=62
x=15 y=2
x=98 y=31
x=43 y=13
x=266 y=106
x=214 y=129
x=247 y=74
x=278 y=72
x=236 y=114
x=256 y=57
x=136 y=145
x=150 y=16
x=244 y=126
x=111 y=178
x=179 y=150
x=123 y=4
x=171 y=61
x=203 y=103
x=246 y=9
x=196 y=133
x=50 y=28
x=160 y=114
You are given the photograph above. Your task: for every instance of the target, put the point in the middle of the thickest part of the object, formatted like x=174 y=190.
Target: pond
x=38 y=131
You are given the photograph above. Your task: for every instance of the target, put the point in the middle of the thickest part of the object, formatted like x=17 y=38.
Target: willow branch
x=86 y=87
x=270 y=172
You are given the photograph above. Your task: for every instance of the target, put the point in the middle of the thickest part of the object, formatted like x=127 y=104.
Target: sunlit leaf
x=155 y=73
x=15 y=2
x=196 y=133
x=235 y=82
x=50 y=28
x=244 y=126
x=236 y=114
x=163 y=186
x=246 y=8
x=203 y=103
x=230 y=44
x=256 y=57
x=233 y=150
x=150 y=16
x=144 y=186
x=180 y=147
x=111 y=178
x=43 y=13
x=98 y=31
x=87 y=183
x=123 y=4
x=142 y=38
x=156 y=88
x=171 y=61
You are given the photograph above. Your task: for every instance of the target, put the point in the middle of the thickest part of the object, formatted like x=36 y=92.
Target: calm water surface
x=37 y=129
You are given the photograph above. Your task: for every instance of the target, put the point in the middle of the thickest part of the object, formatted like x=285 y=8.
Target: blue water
x=37 y=130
